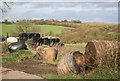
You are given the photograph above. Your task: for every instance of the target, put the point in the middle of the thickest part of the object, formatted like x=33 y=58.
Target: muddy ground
x=32 y=67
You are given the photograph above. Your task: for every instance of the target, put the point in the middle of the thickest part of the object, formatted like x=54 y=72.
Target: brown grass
x=69 y=48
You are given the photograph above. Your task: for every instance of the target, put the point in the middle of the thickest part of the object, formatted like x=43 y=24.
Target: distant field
x=44 y=29
x=8 y=29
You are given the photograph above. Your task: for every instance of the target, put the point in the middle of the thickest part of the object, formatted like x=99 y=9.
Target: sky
x=84 y=11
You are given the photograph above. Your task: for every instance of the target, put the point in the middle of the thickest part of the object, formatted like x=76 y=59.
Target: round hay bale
x=97 y=52
x=71 y=63
x=46 y=53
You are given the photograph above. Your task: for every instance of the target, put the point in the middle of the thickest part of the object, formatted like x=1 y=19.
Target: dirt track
x=11 y=74
x=32 y=67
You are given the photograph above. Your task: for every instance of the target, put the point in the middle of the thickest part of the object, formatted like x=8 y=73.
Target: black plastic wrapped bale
x=71 y=63
x=98 y=52
x=17 y=46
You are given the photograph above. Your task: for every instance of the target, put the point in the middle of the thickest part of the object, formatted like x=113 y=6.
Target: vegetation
x=24 y=26
x=4 y=47
x=87 y=32
x=68 y=31
x=17 y=56
x=51 y=29
x=99 y=73
x=64 y=76
x=8 y=28
x=68 y=48
x=103 y=73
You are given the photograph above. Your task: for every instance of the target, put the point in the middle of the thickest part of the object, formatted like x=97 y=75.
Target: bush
x=87 y=32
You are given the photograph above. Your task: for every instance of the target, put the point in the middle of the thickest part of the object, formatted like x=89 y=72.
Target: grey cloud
x=65 y=13
x=54 y=4
x=73 y=4
x=107 y=4
x=68 y=4
x=51 y=10
x=65 y=0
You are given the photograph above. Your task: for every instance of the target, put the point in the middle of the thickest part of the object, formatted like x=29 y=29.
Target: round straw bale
x=71 y=63
x=46 y=53
x=97 y=51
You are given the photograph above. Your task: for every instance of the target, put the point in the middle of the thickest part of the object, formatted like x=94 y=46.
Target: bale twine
x=98 y=52
x=71 y=63
x=46 y=54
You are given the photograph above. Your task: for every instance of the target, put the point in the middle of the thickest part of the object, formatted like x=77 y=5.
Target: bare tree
x=5 y=6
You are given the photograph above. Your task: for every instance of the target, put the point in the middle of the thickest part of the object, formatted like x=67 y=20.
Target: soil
x=32 y=67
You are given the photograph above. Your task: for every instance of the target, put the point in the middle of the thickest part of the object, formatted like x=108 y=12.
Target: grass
x=44 y=29
x=64 y=76
x=47 y=29
x=8 y=28
x=103 y=72
x=79 y=46
x=17 y=56
x=98 y=73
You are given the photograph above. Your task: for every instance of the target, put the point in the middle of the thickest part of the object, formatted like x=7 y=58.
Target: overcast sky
x=84 y=11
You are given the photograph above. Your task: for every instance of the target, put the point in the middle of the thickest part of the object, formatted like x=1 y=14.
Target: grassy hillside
x=47 y=29
x=44 y=29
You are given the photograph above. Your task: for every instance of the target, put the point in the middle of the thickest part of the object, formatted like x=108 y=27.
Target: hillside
x=70 y=32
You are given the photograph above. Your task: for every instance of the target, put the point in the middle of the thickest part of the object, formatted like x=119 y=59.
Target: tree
x=6 y=21
x=24 y=26
x=76 y=21
x=4 y=6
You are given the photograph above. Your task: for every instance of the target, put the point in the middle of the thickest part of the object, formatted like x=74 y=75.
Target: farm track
x=32 y=67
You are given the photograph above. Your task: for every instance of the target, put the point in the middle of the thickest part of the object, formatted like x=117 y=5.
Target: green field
x=46 y=29
x=8 y=29
x=43 y=29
